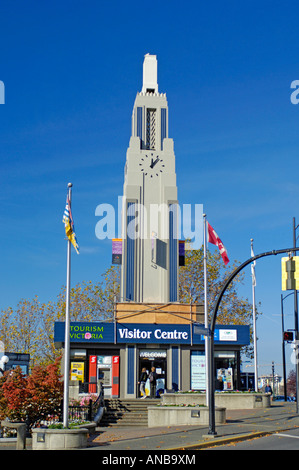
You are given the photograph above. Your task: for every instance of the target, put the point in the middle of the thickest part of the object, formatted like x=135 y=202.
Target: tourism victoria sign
x=119 y=333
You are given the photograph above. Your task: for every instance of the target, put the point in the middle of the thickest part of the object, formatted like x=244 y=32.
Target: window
x=130 y=269
x=226 y=367
x=173 y=253
x=198 y=370
x=139 y=124
x=163 y=125
x=151 y=129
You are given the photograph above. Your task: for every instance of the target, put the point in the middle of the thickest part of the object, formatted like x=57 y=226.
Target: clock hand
x=154 y=163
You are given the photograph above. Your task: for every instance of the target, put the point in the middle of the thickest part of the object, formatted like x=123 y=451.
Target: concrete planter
x=231 y=401
x=21 y=429
x=182 y=415
x=59 y=439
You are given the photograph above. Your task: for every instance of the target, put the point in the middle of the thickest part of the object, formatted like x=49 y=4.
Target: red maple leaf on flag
x=215 y=240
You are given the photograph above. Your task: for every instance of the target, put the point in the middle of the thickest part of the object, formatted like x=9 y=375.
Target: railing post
x=61 y=411
x=90 y=410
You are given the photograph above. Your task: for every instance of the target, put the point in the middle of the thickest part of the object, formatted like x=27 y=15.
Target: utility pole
x=283 y=351
x=296 y=323
x=254 y=319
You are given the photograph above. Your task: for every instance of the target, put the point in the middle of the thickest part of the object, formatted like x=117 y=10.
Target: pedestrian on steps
x=143 y=379
x=153 y=382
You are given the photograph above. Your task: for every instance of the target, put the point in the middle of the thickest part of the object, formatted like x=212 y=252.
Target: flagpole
x=67 y=328
x=254 y=320
x=206 y=304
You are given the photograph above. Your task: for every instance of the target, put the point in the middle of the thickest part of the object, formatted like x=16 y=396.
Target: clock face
x=151 y=165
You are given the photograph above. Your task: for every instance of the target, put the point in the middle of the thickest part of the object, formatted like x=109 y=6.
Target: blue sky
x=71 y=71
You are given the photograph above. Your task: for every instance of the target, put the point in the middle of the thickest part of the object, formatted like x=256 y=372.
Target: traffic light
x=288 y=336
x=290 y=273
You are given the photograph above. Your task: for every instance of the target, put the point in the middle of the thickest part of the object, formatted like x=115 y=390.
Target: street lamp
x=283 y=347
x=273 y=379
x=212 y=430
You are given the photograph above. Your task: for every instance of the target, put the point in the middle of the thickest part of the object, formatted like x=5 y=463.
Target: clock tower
x=150 y=255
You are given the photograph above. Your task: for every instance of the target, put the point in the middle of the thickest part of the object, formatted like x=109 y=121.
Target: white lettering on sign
x=159 y=334
x=153 y=354
x=136 y=333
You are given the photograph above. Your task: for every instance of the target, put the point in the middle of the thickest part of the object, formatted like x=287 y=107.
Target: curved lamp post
x=212 y=430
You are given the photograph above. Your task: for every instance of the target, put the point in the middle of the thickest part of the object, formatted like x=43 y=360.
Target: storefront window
x=225 y=370
x=225 y=365
x=198 y=370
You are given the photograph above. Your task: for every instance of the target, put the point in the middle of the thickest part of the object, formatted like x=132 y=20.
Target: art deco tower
x=149 y=217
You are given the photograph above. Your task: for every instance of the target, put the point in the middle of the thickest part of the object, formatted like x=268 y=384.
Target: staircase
x=126 y=412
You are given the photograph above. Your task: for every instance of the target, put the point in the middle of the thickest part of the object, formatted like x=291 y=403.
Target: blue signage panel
x=225 y=334
x=141 y=333
x=85 y=332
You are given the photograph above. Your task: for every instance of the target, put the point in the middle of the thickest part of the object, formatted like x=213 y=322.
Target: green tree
x=233 y=309
x=29 y=328
x=20 y=327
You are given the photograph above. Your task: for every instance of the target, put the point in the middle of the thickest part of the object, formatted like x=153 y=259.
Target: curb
x=222 y=441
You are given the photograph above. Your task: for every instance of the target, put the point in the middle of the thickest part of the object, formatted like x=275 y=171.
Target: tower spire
x=150 y=68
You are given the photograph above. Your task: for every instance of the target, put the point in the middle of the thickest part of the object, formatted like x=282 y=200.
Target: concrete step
x=127 y=412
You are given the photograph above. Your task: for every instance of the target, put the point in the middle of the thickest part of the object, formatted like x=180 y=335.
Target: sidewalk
x=240 y=425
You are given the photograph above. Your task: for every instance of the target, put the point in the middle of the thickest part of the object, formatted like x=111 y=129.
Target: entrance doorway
x=149 y=358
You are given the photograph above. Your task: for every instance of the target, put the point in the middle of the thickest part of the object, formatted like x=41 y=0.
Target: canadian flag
x=213 y=238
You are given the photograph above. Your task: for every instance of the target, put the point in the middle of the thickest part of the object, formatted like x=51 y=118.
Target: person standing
x=153 y=382
x=268 y=389
x=143 y=379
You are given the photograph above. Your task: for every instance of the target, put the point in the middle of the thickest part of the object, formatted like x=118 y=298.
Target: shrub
x=31 y=398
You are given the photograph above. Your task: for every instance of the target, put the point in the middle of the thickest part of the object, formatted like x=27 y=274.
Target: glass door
x=157 y=359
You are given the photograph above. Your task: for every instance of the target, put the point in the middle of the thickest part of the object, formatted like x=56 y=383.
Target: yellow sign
x=77 y=371
x=290 y=273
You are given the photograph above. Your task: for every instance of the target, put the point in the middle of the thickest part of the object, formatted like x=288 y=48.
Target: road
x=288 y=440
